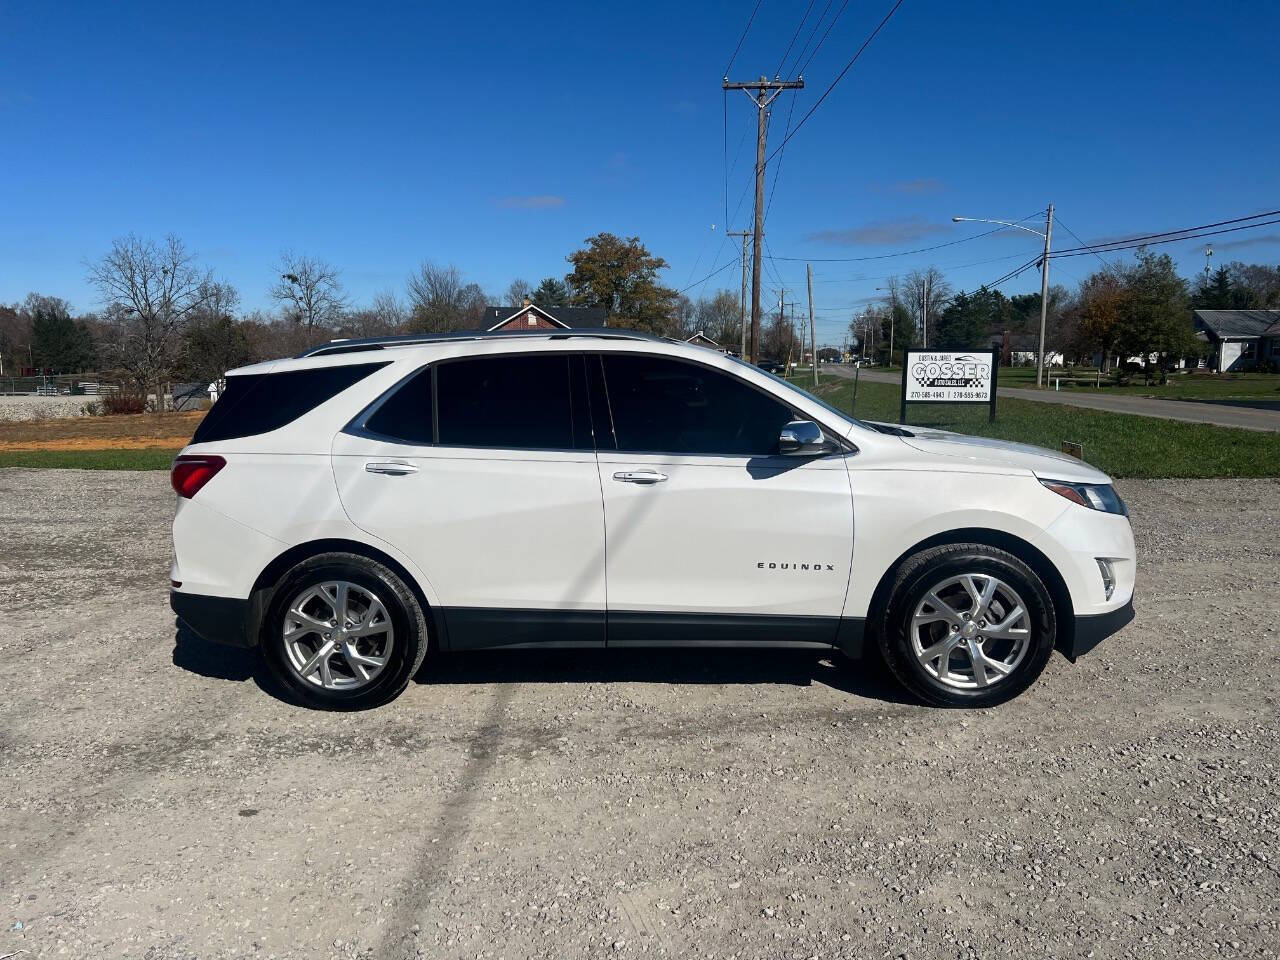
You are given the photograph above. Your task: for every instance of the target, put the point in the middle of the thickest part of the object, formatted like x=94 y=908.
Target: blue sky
x=497 y=136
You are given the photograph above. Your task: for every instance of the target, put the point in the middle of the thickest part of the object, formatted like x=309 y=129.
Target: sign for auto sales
x=949 y=376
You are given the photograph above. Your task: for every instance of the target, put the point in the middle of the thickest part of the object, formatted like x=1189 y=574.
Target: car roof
x=427 y=347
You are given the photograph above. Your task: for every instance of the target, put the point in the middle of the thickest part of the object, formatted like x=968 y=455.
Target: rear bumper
x=1092 y=630
x=215 y=619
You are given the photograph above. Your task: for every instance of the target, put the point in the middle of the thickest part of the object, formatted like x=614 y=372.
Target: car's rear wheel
x=967 y=625
x=343 y=632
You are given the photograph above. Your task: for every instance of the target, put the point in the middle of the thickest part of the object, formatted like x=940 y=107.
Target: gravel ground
x=41 y=408
x=160 y=802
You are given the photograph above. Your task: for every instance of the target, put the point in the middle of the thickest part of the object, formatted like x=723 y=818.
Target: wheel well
x=260 y=597
x=1020 y=548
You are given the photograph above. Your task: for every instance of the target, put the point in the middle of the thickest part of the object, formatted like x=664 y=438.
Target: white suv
x=353 y=508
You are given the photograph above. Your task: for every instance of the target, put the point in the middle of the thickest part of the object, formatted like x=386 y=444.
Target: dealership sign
x=949 y=376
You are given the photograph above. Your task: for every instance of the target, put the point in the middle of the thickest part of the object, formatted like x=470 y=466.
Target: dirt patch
x=142 y=431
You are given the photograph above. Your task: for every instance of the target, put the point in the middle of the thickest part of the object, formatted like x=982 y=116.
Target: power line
x=725 y=98
x=1137 y=241
x=1012 y=273
x=1178 y=239
x=777 y=169
x=799 y=26
x=847 y=67
x=717 y=270
x=703 y=249
x=809 y=39
x=941 y=266
x=904 y=253
x=805 y=66
x=745 y=31
x=1059 y=222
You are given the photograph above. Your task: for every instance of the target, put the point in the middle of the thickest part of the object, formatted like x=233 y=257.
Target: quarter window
x=254 y=403
x=509 y=401
x=671 y=406
x=405 y=416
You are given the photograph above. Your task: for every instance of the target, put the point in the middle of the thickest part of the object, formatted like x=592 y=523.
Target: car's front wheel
x=343 y=632
x=967 y=625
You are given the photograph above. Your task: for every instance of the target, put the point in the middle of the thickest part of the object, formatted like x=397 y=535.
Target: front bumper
x=215 y=619
x=1091 y=630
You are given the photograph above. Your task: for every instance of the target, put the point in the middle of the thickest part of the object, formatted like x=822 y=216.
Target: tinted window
x=669 y=406
x=406 y=414
x=260 y=402
x=513 y=401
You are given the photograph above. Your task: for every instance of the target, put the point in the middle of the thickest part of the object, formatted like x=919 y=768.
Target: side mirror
x=802 y=438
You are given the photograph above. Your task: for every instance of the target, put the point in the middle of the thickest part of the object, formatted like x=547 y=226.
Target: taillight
x=190 y=474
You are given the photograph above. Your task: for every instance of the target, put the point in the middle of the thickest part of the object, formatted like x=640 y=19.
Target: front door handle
x=640 y=476
x=392 y=468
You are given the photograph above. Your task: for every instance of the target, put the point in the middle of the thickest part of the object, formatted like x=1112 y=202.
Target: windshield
x=842 y=414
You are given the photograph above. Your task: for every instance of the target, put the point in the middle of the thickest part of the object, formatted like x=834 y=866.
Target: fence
x=57 y=385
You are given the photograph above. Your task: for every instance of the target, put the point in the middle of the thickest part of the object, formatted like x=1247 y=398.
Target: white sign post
x=949 y=376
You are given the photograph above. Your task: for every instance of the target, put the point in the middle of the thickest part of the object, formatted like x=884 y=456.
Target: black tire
x=403 y=610
x=924 y=570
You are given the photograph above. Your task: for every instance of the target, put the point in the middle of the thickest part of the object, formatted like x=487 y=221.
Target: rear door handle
x=640 y=476
x=392 y=468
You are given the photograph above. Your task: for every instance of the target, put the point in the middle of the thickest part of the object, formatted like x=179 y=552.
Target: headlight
x=1095 y=496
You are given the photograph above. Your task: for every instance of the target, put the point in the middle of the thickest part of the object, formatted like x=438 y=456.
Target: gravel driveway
x=159 y=802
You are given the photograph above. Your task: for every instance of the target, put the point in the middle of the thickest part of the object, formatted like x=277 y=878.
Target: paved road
x=1248 y=418
x=158 y=802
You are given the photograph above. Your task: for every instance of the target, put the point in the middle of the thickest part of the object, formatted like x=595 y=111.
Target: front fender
x=894 y=510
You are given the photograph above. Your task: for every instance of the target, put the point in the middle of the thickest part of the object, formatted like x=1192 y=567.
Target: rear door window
x=518 y=402
x=261 y=402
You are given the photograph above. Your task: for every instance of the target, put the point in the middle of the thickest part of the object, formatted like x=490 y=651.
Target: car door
x=482 y=471
x=712 y=536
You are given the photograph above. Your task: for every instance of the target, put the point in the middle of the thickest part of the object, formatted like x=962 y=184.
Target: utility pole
x=813 y=330
x=762 y=93
x=782 y=309
x=924 y=314
x=782 y=315
x=1044 y=293
x=742 y=301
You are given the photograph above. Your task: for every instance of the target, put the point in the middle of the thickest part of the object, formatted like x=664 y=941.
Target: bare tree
x=387 y=315
x=440 y=300
x=214 y=341
x=518 y=291
x=925 y=292
x=309 y=292
x=719 y=318
x=150 y=291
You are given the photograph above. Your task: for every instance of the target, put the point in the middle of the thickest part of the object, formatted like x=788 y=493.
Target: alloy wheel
x=337 y=635
x=971 y=631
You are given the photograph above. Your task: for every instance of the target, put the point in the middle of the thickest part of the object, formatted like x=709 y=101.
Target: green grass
x=1181 y=386
x=90 y=459
x=1121 y=444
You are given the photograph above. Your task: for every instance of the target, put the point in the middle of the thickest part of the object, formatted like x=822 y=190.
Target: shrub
x=124 y=401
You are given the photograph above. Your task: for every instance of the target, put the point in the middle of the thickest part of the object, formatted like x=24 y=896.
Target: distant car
x=772 y=366
x=357 y=508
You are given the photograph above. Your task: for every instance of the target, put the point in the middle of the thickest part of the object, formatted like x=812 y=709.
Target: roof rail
x=358 y=345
